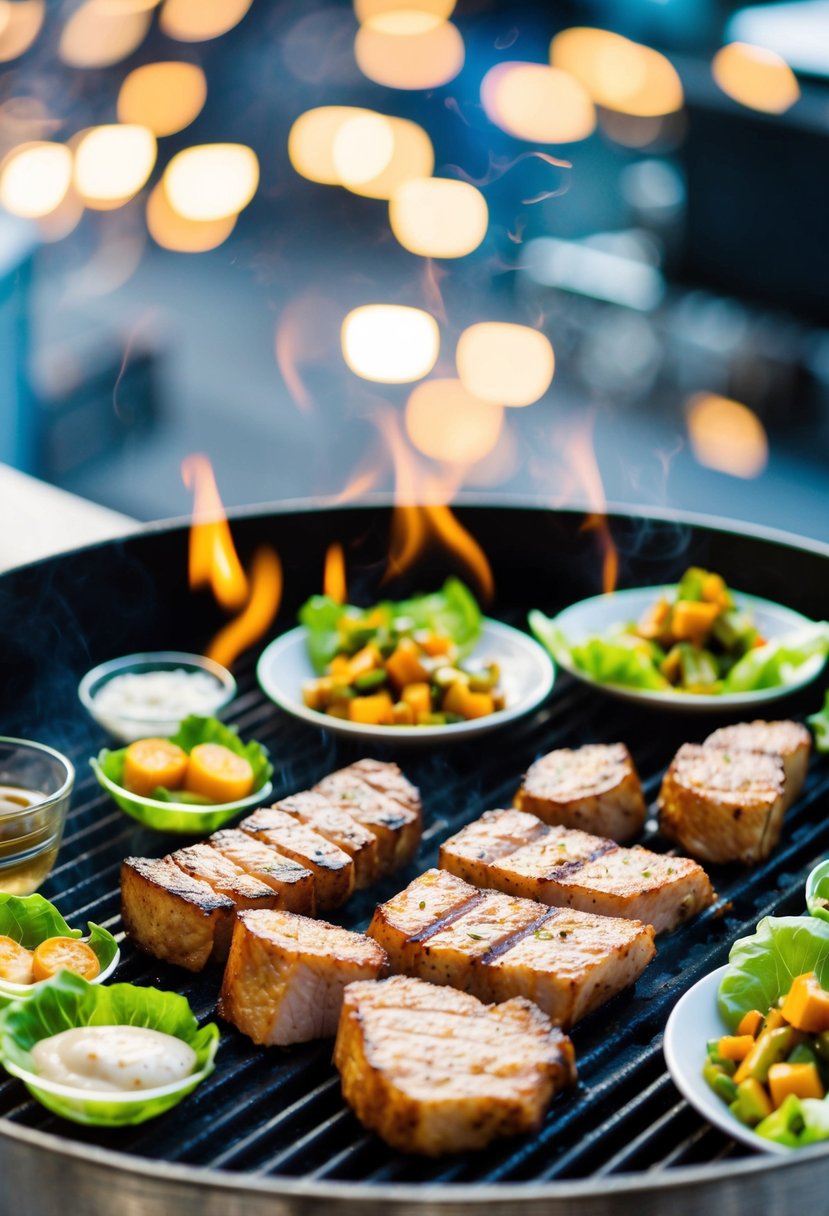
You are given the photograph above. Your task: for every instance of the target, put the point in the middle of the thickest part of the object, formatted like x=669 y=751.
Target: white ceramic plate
x=527 y=675
x=594 y=617
x=695 y=1020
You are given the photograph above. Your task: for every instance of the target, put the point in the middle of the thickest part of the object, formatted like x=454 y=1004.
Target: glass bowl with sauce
x=35 y=787
x=151 y=694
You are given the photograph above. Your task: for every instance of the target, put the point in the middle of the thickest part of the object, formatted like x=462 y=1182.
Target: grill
x=268 y=1131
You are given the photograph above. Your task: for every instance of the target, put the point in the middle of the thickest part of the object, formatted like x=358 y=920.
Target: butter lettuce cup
x=817 y=891
x=30 y=921
x=179 y=810
x=68 y=1002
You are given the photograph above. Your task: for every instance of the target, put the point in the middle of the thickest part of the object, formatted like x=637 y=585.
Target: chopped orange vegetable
x=64 y=954
x=773 y=1020
x=15 y=962
x=365 y=660
x=339 y=665
x=652 y=625
x=404 y=666
x=459 y=700
x=403 y=714
x=149 y=763
x=219 y=774
x=807 y=1005
x=802 y=1080
x=419 y=697
x=691 y=620
x=317 y=693
x=735 y=1046
x=750 y=1023
x=375 y=710
x=435 y=645
x=714 y=590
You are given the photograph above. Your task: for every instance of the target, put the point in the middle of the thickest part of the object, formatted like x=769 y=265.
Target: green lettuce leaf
x=819 y=723
x=602 y=659
x=31 y=919
x=761 y=967
x=797 y=1122
x=817 y=891
x=778 y=662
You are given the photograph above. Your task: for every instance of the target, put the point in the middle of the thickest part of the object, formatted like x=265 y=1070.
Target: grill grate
x=279 y=1113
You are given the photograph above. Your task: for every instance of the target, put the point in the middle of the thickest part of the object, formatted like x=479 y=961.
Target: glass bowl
x=128 y=726
x=30 y=835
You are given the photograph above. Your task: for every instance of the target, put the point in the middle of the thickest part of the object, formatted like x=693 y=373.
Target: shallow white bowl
x=595 y=616
x=527 y=676
x=695 y=1020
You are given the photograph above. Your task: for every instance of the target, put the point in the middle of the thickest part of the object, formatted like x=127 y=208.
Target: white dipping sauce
x=159 y=694
x=113 y=1059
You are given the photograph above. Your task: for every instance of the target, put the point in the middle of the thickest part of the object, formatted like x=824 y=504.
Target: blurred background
x=574 y=250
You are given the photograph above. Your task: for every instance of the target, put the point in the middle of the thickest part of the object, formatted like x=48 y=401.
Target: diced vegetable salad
x=400 y=663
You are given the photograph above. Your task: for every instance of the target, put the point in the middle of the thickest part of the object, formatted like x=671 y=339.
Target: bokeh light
x=211 y=181
x=437 y=217
x=412 y=156
x=755 y=77
x=535 y=102
x=112 y=163
x=165 y=96
x=316 y=133
x=505 y=363
x=447 y=423
x=173 y=231
x=200 y=20
x=617 y=73
x=34 y=179
x=364 y=10
x=311 y=141
x=409 y=50
x=390 y=343
x=19 y=26
x=363 y=148
x=100 y=33
x=726 y=435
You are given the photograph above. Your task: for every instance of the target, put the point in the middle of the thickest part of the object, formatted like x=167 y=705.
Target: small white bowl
x=129 y=727
x=527 y=676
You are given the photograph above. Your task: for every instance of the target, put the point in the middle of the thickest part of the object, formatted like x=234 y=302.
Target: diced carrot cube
x=418 y=696
x=735 y=1046
x=653 y=622
x=404 y=666
x=802 y=1080
x=459 y=700
x=434 y=645
x=691 y=620
x=340 y=665
x=750 y=1023
x=403 y=714
x=807 y=1005
x=365 y=660
x=374 y=710
x=714 y=590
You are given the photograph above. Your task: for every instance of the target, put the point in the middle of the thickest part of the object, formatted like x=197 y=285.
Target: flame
x=582 y=460
x=333 y=582
x=258 y=613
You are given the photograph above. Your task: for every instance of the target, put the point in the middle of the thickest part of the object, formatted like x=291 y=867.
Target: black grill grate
x=279 y=1113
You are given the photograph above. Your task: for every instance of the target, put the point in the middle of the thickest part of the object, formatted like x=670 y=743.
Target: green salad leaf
x=605 y=660
x=453 y=612
x=819 y=723
x=778 y=661
x=761 y=967
x=31 y=919
x=67 y=1001
x=797 y=1122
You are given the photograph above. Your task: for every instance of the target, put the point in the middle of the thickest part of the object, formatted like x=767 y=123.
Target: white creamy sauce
x=160 y=694
x=113 y=1059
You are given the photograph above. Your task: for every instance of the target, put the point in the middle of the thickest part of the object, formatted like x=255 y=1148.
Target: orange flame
x=214 y=562
x=583 y=461
x=333 y=582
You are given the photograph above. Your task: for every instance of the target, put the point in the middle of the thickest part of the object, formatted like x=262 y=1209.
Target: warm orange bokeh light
x=437 y=217
x=211 y=181
x=112 y=163
x=409 y=50
x=505 y=363
x=412 y=156
x=200 y=20
x=311 y=141
x=617 y=73
x=445 y=422
x=333 y=580
x=582 y=463
x=100 y=33
x=364 y=10
x=363 y=148
x=165 y=97
x=173 y=231
x=35 y=178
x=538 y=103
x=726 y=435
x=316 y=134
x=390 y=343
x=755 y=77
x=20 y=24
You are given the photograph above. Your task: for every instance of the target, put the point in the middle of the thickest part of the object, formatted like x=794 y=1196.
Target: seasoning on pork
x=790 y=741
x=332 y=868
x=595 y=788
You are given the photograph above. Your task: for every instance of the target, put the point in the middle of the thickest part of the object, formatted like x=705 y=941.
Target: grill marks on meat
x=514 y=852
x=790 y=741
x=286 y=975
x=595 y=788
x=292 y=882
x=380 y=798
x=173 y=916
x=497 y=946
x=723 y=805
x=341 y=829
x=332 y=868
x=434 y=1071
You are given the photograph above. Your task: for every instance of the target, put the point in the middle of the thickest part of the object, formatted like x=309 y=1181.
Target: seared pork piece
x=286 y=975
x=333 y=869
x=173 y=916
x=293 y=883
x=496 y=946
x=595 y=788
x=225 y=877
x=388 y=779
x=340 y=828
x=514 y=852
x=722 y=805
x=397 y=826
x=434 y=1071
x=789 y=740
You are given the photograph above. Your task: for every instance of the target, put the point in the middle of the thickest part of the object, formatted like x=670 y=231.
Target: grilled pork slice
x=721 y=805
x=293 y=883
x=434 y=1071
x=397 y=824
x=595 y=788
x=341 y=829
x=515 y=852
x=225 y=877
x=789 y=740
x=173 y=916
x=333 y=869
x=286 y=975
x=496 y=946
